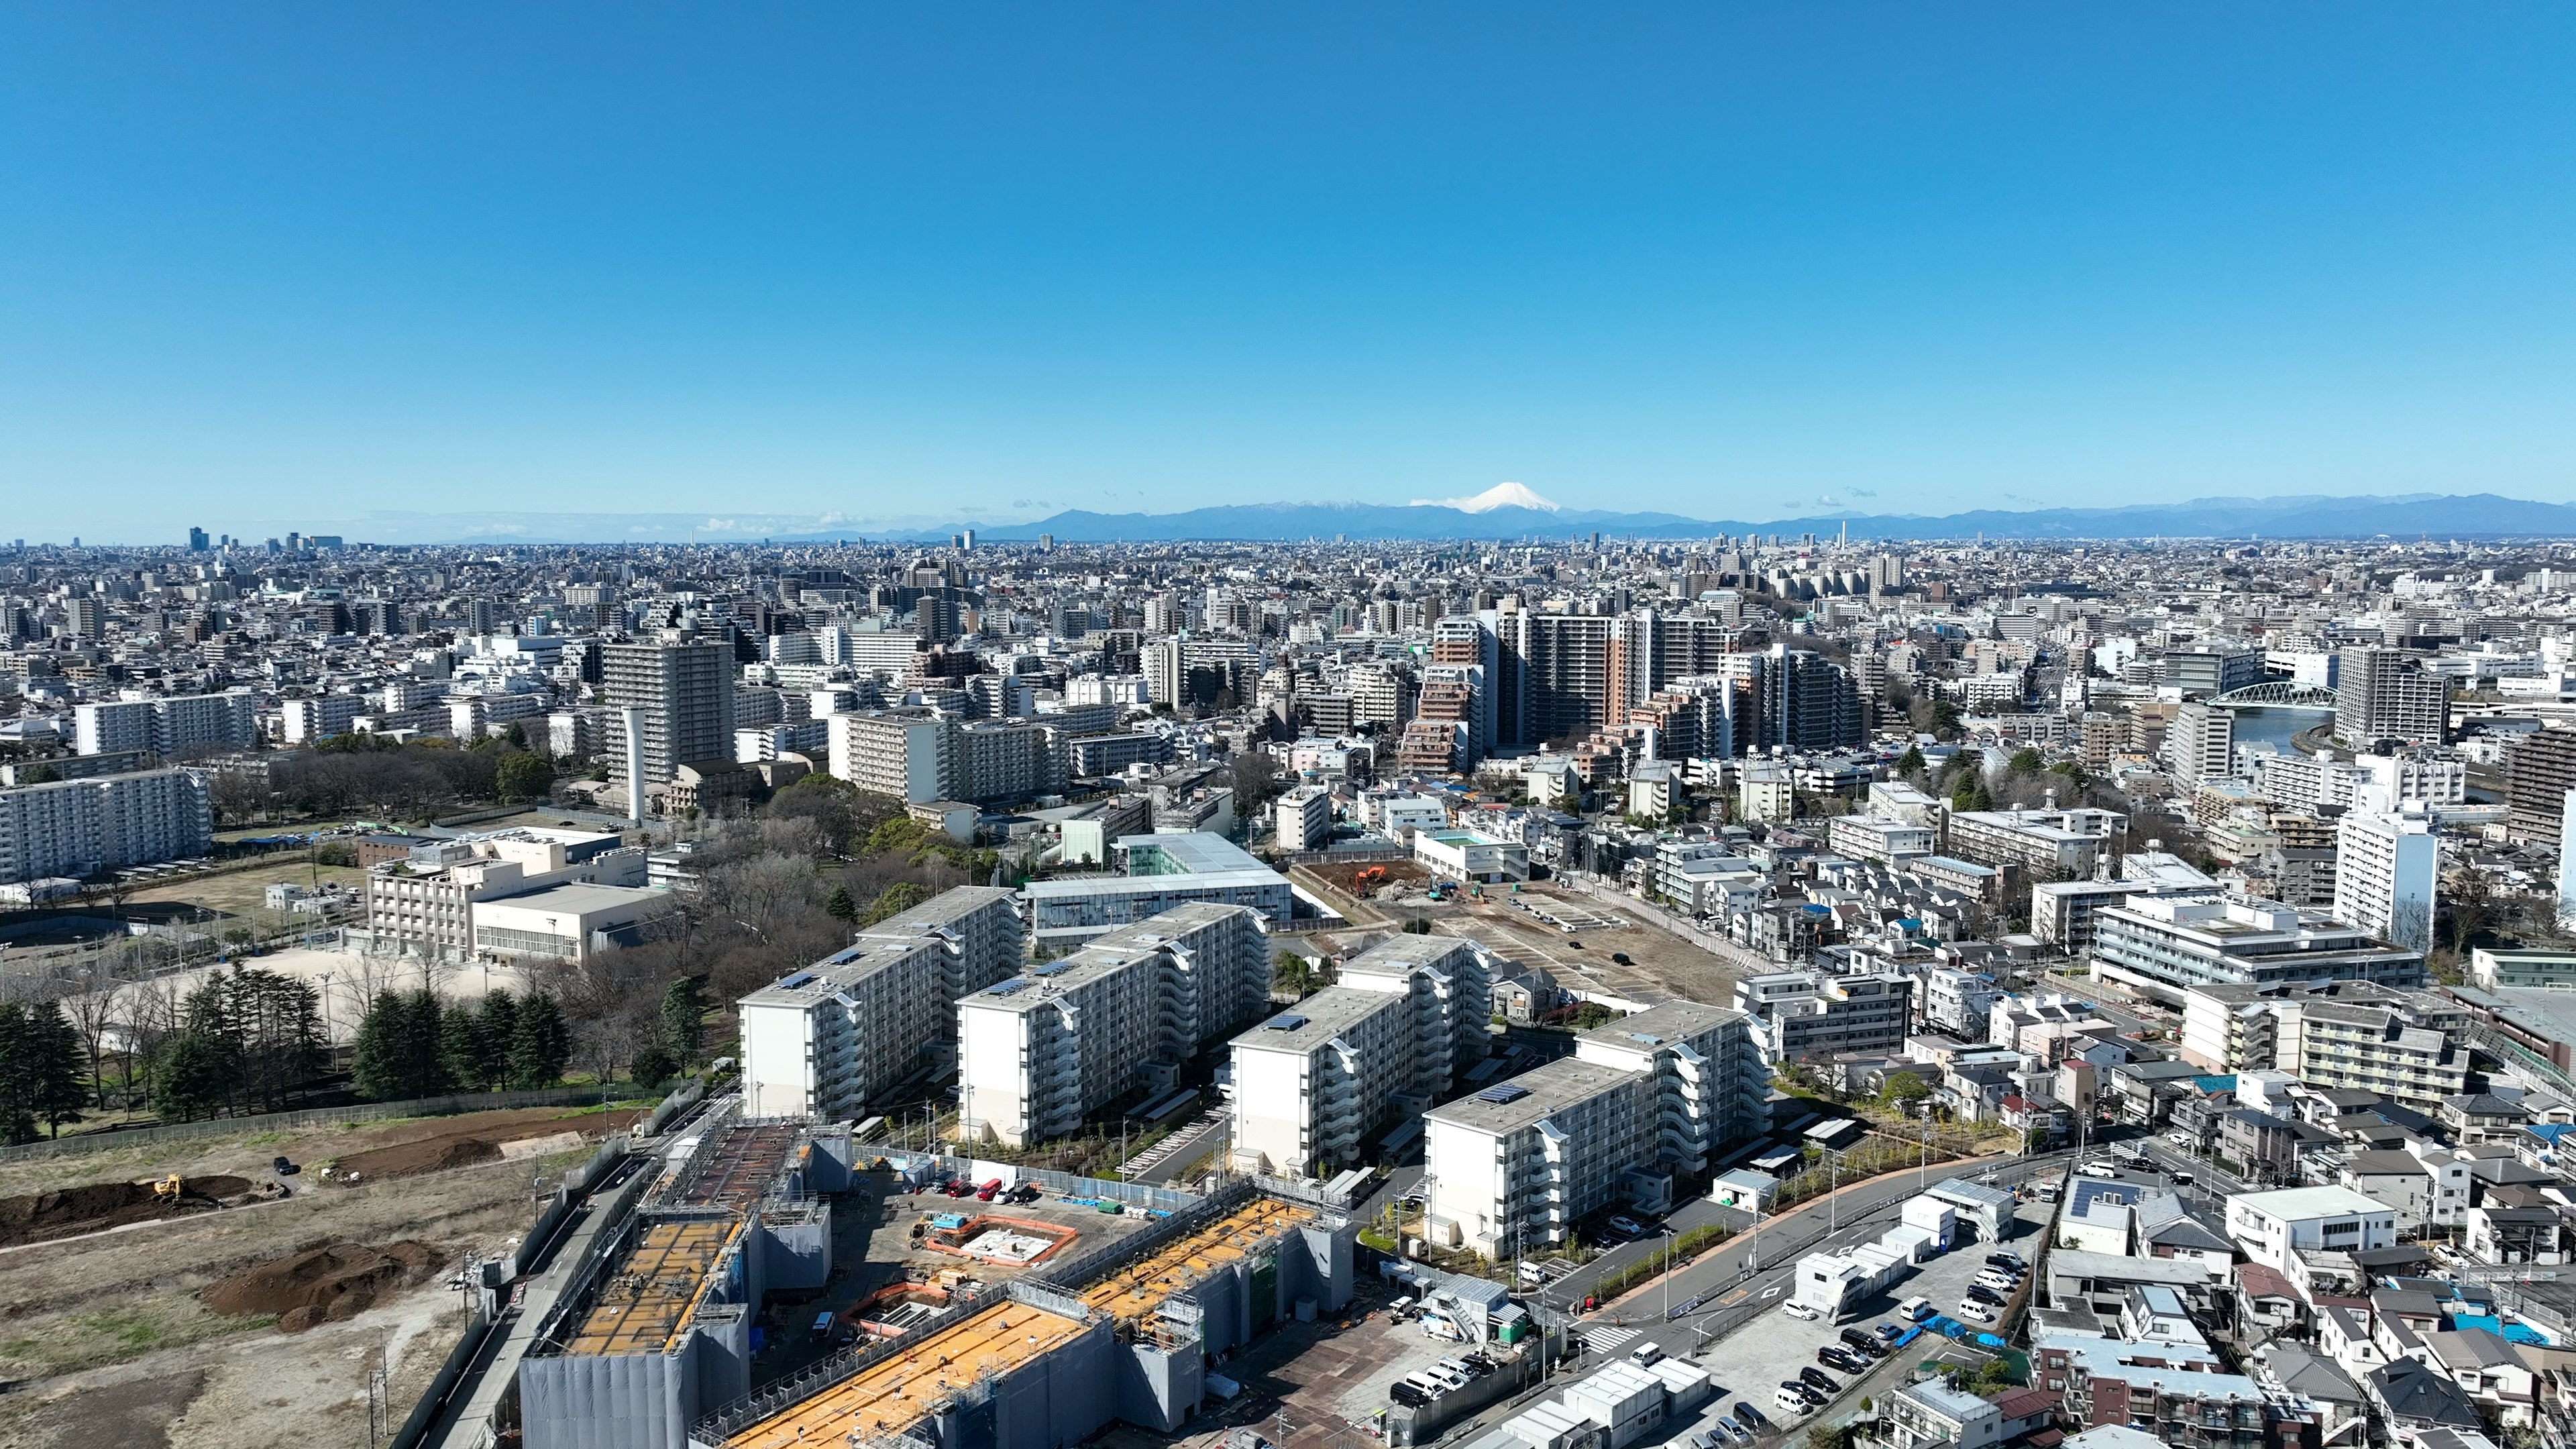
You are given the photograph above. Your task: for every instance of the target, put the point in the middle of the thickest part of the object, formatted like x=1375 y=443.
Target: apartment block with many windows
x=1039 y=1053
x=827 y=1040
x=1513 y=1167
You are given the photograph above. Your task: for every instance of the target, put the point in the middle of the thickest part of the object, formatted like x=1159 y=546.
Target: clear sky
x=280 y=262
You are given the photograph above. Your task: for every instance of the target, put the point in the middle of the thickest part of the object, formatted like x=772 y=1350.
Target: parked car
x=1796 y=1309
x=1818 y=1379
x=1976 y=1312
x=1621 y=957
x=1836 y=1356
x=1865 y=1342
x=1735 y=1432
x=1622 y=1223
x=1749 y=1416
x=2009 y=1262
x=2000 y=1282
x=1987 y=1296
x=1792 y=1398
x=1888 y=1333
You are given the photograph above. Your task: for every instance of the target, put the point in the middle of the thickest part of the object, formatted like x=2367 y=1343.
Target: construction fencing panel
x=424 y=1415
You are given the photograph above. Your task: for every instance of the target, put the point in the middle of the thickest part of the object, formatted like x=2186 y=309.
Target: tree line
x=409 y=1045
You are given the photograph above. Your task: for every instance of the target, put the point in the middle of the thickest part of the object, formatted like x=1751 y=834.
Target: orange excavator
x=1368 y=875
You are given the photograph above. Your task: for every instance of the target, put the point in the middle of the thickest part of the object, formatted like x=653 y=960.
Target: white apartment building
x=165 y=726
x=2063 y=842
x=2200 y=743
x=1514 y=1166
x=1872 y=837
x=1305 y=818
x=1314 y=1082
x=824 y=1041
x=82 y=827
x=2275 y=1227
x=2160 y=946
x=1801 y=1015
x=2386 y=866
x=304 y=721
x=2304 y=782
x=906 y=753
x=2408 y=1046
x=1037 y=1054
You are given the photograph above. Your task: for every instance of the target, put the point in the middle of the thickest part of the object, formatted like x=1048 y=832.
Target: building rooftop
x=1656 y=1025
x=2311 y=1202
x=1105 y=954
x=1509 y=1105
x=1133 y=1291
x=891 y=1395
x=1301 y=1028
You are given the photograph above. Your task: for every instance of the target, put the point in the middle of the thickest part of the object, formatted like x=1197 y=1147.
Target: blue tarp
x=2509 y=1332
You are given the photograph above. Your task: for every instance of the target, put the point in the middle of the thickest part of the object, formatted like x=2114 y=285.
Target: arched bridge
x=2279 y=691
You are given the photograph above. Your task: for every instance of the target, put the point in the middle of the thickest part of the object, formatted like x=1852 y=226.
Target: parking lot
x=1751 y=1362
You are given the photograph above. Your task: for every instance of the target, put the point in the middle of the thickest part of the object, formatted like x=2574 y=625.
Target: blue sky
x=264 y=263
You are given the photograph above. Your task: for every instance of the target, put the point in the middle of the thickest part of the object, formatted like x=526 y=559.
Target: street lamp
x=1668 y=1272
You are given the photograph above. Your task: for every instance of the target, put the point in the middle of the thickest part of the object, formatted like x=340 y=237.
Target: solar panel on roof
x=799 y=979
x=1006 y=988
x=1050 y=968
x=1507 y=1092
x=1285 y=1021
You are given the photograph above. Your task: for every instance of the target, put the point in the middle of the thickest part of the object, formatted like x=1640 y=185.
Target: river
x=2274 y=724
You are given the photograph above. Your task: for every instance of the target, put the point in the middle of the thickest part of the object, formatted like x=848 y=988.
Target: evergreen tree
x=684 y=1020
x=17 y=1075
x=56 y=1091
x=197 y=1076
x=377 y=1063
x=654 y=1066
x=1910 y=764
x=400 y=1053
x=539 y=1045
x=460 y=1046
x=839 y=906
x=492 y=1025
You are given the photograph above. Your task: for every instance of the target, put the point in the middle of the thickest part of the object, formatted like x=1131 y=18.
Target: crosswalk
x=1607 y=1338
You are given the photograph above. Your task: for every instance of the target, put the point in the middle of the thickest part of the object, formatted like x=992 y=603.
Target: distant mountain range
x=2482 y=515
x=1513 y=512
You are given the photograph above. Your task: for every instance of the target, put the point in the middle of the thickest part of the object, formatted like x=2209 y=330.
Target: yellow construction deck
x=891 y=1395
x=1140 y=1287
x=653 y=1290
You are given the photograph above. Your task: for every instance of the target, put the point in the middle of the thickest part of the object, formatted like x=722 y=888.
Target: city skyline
x=915 y=272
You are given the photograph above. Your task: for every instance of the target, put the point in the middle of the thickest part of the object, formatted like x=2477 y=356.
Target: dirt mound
x=466 y=1141
x=411 y=1159
x=322 y=1284
x=93 y=1206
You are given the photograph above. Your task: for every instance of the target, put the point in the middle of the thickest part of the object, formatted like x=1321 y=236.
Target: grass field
x=241 y=892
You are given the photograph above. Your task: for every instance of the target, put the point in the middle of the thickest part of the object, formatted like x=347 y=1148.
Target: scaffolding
x=642 y=1306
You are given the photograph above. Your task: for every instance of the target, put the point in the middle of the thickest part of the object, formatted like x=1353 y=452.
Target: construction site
x=1035 y=1326
x=246 y=1299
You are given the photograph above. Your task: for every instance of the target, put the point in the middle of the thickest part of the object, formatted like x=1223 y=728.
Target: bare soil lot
x=165 y=1330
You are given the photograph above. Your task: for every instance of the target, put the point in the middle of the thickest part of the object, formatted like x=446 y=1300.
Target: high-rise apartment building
x=80 y=827
x=684 y=690
x=166 y=726
x=1316 y=1083
x=2200 y=742
x=2381 y=694
x=2386 y=866
x=1513 y=1167
x=2539 y=770
x=1039 y=1053
x=827 y=1040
